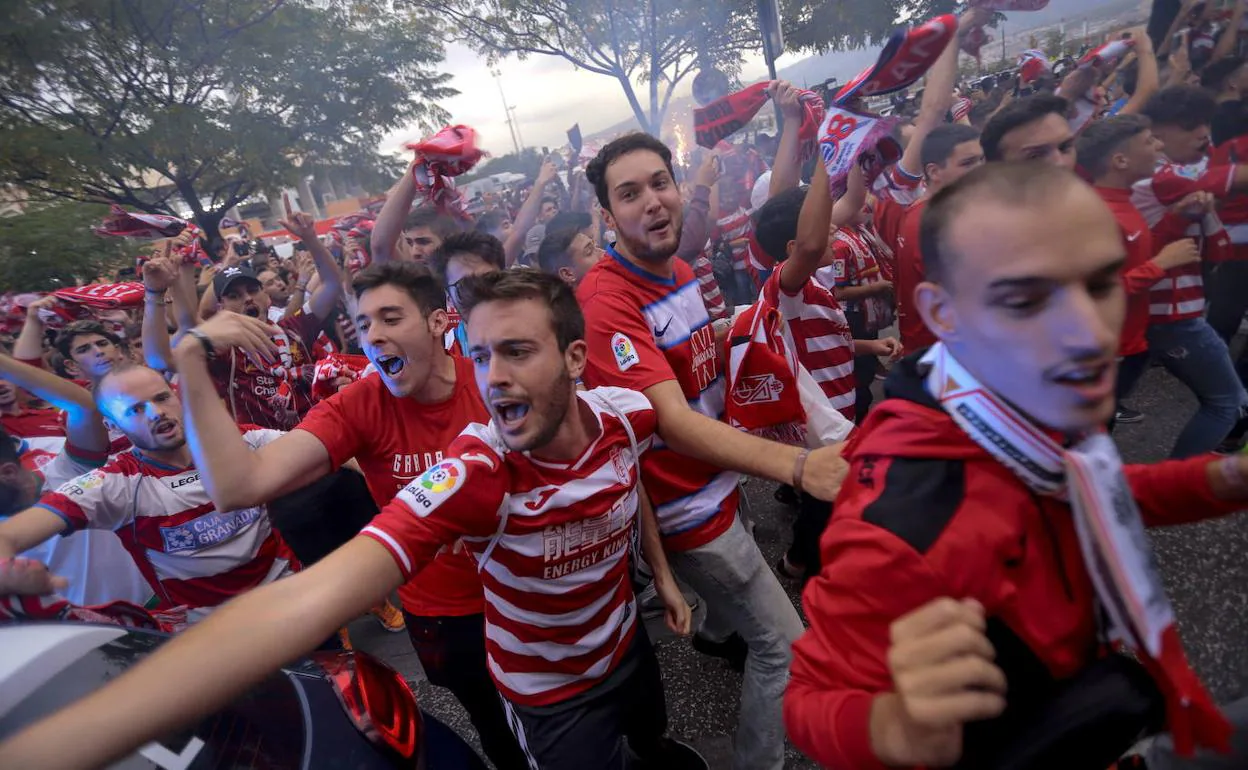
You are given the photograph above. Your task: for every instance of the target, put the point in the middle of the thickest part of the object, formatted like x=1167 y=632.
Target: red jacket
x=1139 y=274
x=913 y=331
x=926 y=513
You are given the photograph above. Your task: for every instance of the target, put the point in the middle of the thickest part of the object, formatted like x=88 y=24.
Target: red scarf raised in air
x=729 y=114
x=448 y=153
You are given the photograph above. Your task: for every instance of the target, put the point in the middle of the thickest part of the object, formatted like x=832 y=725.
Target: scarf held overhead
x=448 y=153
x=1116 y=550
x=729 y=114
x=906 y=56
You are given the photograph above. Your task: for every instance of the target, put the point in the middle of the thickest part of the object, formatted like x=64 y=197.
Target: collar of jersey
x=157 y=464
x=649 y=276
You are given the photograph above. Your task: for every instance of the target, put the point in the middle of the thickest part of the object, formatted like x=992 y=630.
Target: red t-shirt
x=34 y=423
x=1139 y=273
x=552 y=541
x=895 y=191
x=643 y=329
x=914 y=333
x=395 y=440
x=260 y=396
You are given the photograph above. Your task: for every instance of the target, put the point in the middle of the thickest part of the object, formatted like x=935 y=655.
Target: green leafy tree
x=650 y=44
x=52 y=245
x=156 y=104
x=821 y=26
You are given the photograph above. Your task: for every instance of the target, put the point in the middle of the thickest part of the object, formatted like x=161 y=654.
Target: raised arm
x=29 y=343
x=160 y=273
x=1148 y=79
x=1230 y=35
x=258 y=633
x=697 y=222
x=786 y=172
x=84 y=427
x=526 y=217
x=937 y=94
x=326 y=295
x=235 y=475
x=389 y=224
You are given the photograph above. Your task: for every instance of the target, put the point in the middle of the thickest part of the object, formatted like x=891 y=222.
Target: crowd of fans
x=532 y=426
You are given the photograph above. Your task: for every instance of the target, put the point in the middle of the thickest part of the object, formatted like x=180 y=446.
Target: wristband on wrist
x=799 y=466
x=301 y=286
x=209 y=351
x=153 y=292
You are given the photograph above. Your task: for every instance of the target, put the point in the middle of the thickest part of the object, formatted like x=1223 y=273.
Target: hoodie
x=926 y=513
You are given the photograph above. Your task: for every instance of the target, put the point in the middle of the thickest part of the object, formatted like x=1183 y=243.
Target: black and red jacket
x=926 y=513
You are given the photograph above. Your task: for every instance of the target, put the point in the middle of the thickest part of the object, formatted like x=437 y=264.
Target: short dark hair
x=1013 y=184
x=569 y=220
x=775 y=223
x=1215 y=75
x=939 y=144
x=483 y=245
x=1016 y=115
x=65 y=340
x=526 y=283
x=490 y=222
x=596 y=171
x=553 y=253
x=1187 y=107
x=1100 y=140
x=413 y=278
x=427 y=216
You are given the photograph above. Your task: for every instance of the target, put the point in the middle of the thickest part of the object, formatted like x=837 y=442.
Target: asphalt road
x=1204 y=565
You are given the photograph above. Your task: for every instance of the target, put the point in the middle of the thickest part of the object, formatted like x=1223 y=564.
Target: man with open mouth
x=544 y=497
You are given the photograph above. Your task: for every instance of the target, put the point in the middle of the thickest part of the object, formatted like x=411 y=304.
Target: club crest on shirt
x=625 y=353
x=434 y=486
x=619 y=463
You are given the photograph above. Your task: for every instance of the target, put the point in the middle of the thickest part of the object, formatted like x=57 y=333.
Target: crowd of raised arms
x=529 y=416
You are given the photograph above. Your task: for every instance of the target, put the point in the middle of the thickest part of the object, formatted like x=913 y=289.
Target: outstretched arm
x=258 y=633
x=84 y=427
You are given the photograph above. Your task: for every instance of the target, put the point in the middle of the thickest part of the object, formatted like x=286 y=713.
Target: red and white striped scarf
x=1116 y=550
x=448 y=153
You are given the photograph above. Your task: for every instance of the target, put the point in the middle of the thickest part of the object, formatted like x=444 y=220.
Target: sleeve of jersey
x=869 y=579
x=458 y=497
x=899 y=184
x=636 y=407
x=622 y=352
x=332 y=424
x=95 y=500
x=840 y=262
x=1177 y=492
x=1171 y=184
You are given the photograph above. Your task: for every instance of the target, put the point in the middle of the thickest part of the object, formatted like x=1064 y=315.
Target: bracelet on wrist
x=153 y=292
x=799 y=467
x=209 y=350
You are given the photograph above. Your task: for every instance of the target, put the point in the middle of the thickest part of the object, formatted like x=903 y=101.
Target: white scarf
x=1116 y=551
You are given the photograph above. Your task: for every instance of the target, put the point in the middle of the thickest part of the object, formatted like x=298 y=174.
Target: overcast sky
x=549 y=95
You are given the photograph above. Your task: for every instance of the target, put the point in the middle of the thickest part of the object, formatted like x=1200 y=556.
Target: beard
x=641 y=249
x=551 y=415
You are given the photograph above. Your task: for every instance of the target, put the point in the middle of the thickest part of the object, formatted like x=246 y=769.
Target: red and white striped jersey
x=821 y=335
x=551 y=543
x=712 y=297
x=191 y=553
x=95 y=563
x=735 y=229
x=642 y=330
x=1181 y=294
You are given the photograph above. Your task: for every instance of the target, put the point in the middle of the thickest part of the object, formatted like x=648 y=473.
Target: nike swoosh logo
x=660 y=332
x=1134 y=236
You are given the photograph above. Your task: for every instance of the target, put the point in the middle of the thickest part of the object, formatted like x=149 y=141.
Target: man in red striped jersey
x=647 y=329
x=191 y=554
x=545 y=498
x=1177 y=200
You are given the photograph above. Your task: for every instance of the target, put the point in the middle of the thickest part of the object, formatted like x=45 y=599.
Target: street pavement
x=1203 y=564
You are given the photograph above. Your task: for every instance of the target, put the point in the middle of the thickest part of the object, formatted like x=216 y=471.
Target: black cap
x=222 y=281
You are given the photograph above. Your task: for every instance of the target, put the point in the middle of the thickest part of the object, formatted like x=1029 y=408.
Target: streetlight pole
x=507 y=111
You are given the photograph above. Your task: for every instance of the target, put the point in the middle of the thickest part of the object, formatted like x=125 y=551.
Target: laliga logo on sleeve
x=434 y=486
x=625 y=354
